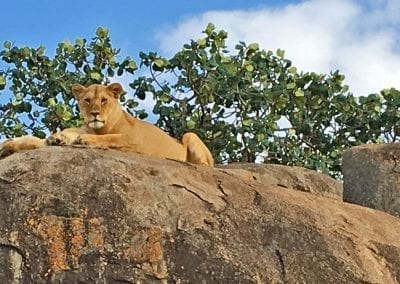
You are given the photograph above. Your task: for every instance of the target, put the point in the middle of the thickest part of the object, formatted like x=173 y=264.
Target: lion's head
x=97 y=103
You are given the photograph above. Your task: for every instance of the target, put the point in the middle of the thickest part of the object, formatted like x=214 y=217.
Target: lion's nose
x=95 y=113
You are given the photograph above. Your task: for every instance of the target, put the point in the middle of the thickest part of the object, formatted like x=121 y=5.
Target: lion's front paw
x=56 y=139
x=61 y=138
x=7 y=148
x=84 y=139
x=80 y=141
x=89 y=140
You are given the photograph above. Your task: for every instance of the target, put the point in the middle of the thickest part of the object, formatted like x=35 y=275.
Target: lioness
x=107 y=125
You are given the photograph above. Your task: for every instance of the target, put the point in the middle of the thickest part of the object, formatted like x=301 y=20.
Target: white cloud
x=360 y=38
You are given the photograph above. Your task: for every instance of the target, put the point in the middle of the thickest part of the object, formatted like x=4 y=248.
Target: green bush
x=244 y=103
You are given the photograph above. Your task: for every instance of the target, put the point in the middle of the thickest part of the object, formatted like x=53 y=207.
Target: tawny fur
x=107 y=125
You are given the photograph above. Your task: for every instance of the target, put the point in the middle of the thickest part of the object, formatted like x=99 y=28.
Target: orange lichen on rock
x=67 y=239
x=77 y=240
x=13 y=238
x=31 y=222
x=153 y=246
x=51 y=229
x=96 y=234
x=149 y=250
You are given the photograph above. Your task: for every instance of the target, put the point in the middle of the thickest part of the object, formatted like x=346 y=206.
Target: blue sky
x=133 y=24
x=359 y=37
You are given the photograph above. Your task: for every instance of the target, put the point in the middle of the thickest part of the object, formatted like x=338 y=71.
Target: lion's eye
x=103 y=101
x=87 y=101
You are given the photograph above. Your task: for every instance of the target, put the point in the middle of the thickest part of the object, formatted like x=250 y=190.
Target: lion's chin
x=96 y=124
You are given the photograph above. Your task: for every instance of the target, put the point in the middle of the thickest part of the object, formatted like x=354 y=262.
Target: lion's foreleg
x=66 y=137
x=11 y=146
x=114 y=141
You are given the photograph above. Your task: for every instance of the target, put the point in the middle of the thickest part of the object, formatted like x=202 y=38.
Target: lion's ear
x=116 y=89
x=77 y=90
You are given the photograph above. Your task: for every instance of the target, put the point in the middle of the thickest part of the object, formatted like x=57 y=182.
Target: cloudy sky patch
x=359 y=38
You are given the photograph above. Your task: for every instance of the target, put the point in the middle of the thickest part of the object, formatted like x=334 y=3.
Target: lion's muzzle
x=96 y=124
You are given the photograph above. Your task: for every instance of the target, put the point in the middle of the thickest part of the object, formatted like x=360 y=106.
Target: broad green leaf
x=260 y=137
x=231 y=69
x=7 y=44
x=247 y=122
x=291 y=85
x=280 y=53
x=132 y=64
x=102 y=32
x=165 y=97
x=249 y=67
x=202 y=42
x=292 y=70
x=346 y=107
x=226 y=59
x=253 y=46
x=219 y=43
x=41 y=50
x=95 y=76
x=291 y=132
x=51 y=102
x=68 y=46
x=80 y=42
x=299 y=93
x=39 y=133
x=190 y=124
x=26 y=51
x=15 y=102
x=66 y=115
x=159 y=62
x=2 y=82
x=209 y=29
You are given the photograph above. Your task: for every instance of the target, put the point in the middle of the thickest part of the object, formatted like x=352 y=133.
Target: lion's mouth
x=96 y=124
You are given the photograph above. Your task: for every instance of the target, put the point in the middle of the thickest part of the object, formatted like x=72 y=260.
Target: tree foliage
x=246 y=103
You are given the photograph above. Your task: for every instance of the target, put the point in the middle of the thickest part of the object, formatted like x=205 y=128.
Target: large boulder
x=74 y=215
x=372 y=176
